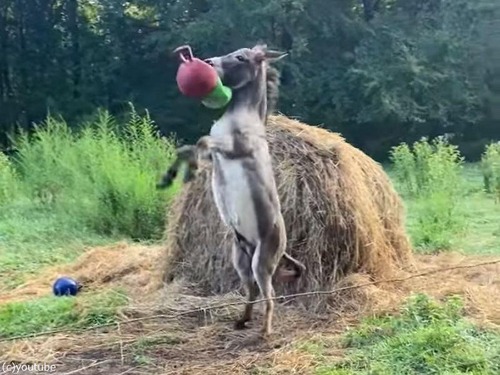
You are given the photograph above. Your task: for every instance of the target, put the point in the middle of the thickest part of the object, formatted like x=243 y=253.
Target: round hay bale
x=341 y=211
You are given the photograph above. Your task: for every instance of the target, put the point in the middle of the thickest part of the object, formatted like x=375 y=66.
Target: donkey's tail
x=288 y=275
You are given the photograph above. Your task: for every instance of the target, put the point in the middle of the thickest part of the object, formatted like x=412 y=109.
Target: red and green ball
x=197 y=79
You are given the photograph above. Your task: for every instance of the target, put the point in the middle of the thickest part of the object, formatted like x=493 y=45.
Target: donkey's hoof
x=265 y=334
x=163 y=185
x=240 y=325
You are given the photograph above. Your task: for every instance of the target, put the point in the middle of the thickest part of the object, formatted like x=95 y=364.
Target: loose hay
x=341 y=211
x=478 y=286
x=132 y=267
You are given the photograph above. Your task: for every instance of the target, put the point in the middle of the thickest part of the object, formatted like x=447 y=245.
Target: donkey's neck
x=252 y=96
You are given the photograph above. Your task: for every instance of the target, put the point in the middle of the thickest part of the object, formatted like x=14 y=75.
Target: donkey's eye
x=240 y=58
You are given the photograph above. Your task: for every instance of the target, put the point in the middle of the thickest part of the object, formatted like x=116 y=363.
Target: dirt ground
x=164 y=330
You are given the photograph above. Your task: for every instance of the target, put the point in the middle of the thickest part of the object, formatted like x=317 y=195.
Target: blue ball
x=65 y=286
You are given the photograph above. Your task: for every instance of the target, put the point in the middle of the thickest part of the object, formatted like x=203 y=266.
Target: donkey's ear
x=259 y=52
x=273 y=56
x=260 y=47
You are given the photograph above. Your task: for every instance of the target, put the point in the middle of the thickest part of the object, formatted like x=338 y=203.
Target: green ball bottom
x=219 y=97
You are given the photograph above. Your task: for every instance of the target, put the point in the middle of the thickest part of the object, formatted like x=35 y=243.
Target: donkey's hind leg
x=264 y=264
x=243 y=264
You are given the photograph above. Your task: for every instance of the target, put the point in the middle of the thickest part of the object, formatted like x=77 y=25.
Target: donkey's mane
x=273 y=83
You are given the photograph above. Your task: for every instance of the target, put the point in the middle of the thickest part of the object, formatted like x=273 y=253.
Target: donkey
x=243 y=183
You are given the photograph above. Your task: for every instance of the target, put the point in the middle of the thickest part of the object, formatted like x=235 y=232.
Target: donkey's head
x=237 y=69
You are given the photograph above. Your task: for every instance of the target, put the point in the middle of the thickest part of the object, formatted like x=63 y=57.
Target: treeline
x=379 y=71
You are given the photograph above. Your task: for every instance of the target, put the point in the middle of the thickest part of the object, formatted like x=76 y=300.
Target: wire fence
x=204 y=309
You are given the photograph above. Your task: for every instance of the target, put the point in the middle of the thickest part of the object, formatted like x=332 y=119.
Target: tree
x=379 y=71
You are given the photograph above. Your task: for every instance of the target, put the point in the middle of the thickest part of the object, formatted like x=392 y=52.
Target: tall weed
x=8 y=180
x=102 y=177
x=490 y=166
x=430 y=174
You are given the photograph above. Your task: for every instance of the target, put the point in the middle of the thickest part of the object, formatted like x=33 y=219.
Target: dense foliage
x=379 y=71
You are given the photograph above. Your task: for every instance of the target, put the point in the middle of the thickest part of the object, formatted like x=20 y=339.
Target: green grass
x=32 y=238
x=480 y=233
x=49 y=313
x=482 y=214
x=427 y=337
x=66 y=190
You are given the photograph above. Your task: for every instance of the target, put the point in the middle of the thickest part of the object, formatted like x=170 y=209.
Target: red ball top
x=196 y=78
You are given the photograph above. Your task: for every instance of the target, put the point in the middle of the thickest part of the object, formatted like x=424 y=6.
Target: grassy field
x=481 y=215
x=77 y=191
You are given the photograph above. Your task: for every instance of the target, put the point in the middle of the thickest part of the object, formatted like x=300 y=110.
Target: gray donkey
x=243 y=182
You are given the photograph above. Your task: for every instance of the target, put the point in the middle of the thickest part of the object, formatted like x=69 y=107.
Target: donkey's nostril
x=209 y=62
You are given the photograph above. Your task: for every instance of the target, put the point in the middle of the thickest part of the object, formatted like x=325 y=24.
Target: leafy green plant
x=429 y=173
x=427 y=167
x=103 y=177
x=490 y=167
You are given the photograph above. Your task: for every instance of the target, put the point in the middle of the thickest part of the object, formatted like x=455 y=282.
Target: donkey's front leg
x=185 y=154
x=234 y=147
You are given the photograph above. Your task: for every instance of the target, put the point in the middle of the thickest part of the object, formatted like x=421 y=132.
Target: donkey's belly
x=233 y=197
